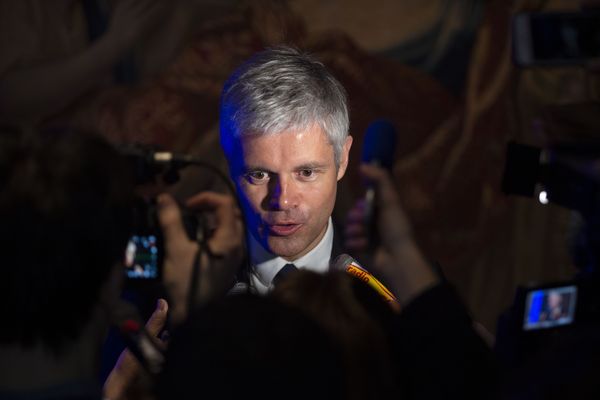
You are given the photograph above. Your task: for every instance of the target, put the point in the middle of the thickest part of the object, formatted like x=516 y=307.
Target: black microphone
x=125 y=317
x=153 y=155
x=379 y=147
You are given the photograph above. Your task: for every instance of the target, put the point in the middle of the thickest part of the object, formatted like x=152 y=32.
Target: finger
x=383 y=181
x=157 y=320
x=169 y=217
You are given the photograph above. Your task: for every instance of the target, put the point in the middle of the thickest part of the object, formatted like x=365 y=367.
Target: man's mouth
x=283 y=229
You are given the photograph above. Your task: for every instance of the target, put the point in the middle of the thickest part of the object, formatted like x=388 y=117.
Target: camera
x=555 y=39
x=144 y=254
x=545 y=317
x=562 y=175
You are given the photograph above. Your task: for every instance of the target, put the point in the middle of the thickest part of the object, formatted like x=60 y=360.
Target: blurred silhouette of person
x=57 y=57
x=65 y=205
x=357 y=319
x=435 y=350
x=247 y=344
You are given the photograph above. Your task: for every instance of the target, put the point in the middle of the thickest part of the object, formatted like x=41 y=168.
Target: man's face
x=287 y=184
x=554 y=300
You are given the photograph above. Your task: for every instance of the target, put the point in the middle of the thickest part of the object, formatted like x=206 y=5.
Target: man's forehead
x=291 y=146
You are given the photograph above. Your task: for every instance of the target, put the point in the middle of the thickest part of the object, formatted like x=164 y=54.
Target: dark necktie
x=283 y=273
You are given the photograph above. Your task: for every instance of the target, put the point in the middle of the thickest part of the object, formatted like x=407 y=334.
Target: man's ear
x=344 y=157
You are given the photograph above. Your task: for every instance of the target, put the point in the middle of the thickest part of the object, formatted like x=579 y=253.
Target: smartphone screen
x=550 y=307
x=556 y=38
x=142 y=257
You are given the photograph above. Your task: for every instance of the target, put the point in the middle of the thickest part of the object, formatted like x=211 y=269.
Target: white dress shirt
x=265 y=265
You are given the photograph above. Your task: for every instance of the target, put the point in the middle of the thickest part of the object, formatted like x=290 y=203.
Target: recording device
x=379 y=147
x=346 y=263
x=549 y=307
x=555 y=39
x=559 y=175
x=148 y=163
x=145 y=250
x=144 y=253
x=143 y=256
x=546 y=317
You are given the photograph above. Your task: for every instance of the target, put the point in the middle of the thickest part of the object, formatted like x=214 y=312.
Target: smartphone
x=555 y=39
x=550 y=307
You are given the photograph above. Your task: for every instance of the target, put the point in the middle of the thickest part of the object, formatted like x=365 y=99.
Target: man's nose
x=283 y=194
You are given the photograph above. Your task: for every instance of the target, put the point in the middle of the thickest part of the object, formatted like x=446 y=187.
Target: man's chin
x=286 y=247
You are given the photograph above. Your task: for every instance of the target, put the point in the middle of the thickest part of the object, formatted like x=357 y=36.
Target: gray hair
x=281 y=89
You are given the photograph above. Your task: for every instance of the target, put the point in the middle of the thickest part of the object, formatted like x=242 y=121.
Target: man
x=284 y=131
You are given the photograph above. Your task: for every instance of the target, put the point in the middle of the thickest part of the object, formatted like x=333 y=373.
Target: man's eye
x=307 y=173
x=257 y=176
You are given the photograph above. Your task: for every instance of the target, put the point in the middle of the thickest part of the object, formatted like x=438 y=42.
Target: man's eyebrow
x=250 y=168
x=311 y=165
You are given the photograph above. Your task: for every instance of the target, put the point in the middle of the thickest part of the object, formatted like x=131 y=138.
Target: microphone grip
x=346 y=263
x=354 y=269
x=142 y=346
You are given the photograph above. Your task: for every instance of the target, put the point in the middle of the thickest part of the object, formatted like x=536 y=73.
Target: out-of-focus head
x=244 y=344
x=356 y=316
x=65 y=204
x=284 y=130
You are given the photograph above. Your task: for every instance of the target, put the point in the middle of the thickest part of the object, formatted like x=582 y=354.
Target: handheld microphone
x=154 y=156
x=125 y=317
x=346 y=263
x=378 y=149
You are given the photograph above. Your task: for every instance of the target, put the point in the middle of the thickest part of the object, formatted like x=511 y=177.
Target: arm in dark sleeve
x=437 y=352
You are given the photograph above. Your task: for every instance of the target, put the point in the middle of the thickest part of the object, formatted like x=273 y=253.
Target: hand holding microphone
x=379 y=146
x=397 y=257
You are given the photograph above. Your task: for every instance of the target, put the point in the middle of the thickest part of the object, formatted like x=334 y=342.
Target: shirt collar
x=266 y=265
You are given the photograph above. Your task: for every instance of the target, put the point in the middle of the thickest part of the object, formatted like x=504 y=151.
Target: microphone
x=148 y=163
x=125 y=317
x=378 y=149
x=152 y=155
x=346 y=263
